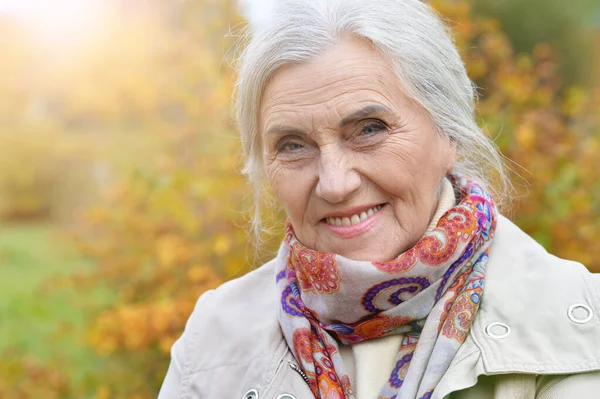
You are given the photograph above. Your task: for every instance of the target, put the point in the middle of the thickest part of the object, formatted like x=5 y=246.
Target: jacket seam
x=184 y=388
x=594 y=290
x=484 y=350
x=453 y=365
x=276 y=383
x=276 y=364
x=186 y=378
x=545 y=368
x=241 y=363
x=591 y=362
x=465 y=357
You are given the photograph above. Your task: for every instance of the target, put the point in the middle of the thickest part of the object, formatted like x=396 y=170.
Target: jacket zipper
x=299 y=371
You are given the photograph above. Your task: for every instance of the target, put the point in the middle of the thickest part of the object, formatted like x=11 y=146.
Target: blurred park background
x=120 y=194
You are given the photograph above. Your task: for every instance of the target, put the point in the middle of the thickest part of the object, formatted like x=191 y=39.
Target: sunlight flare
x=57 y=22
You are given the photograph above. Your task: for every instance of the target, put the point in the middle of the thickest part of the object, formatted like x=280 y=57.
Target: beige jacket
x=536 y=335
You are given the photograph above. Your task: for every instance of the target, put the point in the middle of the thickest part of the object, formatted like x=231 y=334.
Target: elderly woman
x=397 y=276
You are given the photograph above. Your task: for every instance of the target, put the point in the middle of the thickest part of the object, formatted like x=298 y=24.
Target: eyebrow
x=283 y=130
x=363 y=113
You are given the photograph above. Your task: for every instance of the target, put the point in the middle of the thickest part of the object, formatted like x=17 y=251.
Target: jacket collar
x=526 y=289
x=539 y=315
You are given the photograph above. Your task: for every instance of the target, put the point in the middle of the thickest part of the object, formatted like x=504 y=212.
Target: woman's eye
x=289 y=146
x=373 y=127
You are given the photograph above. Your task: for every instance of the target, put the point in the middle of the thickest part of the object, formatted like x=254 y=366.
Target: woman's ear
x=451 y=152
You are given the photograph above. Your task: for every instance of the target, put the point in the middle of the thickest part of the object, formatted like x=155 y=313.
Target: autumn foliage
x=549 y=132
x=174 y=224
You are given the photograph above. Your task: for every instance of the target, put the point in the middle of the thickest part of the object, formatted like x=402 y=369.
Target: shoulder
x=236 y=322
x=551 y=307
x=520 y=265
x=242 y=295
x=231 y=342
x=513 y=250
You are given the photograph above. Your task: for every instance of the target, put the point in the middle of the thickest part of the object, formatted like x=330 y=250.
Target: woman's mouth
x=355 y=224
x=353 y=220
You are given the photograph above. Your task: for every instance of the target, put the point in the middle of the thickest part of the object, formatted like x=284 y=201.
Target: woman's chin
x=370 y=244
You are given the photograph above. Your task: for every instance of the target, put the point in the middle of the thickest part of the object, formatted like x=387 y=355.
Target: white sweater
x=370 y=363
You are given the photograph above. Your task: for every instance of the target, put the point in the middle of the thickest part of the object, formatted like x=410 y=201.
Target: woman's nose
x=338 y=180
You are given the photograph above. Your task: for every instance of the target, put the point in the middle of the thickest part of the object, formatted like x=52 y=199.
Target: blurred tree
x=566 y=26
x=183 y=207
x=171 y=228
x=28 y=378
x=549 y=131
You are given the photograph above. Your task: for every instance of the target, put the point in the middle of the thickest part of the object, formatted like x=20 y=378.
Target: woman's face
x=355 y=163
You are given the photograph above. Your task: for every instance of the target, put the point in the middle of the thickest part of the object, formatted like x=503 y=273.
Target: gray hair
x=408 y=34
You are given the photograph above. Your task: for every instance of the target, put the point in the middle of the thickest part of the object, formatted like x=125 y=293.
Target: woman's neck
x=445 y=202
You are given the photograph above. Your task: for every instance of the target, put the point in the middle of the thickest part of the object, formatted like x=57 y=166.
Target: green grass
x=42 y=312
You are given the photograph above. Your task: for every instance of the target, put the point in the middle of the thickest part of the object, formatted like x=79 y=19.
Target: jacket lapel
x=539 y=315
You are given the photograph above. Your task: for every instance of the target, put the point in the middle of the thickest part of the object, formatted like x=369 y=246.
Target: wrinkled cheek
x=276 y=178
x=282 y=185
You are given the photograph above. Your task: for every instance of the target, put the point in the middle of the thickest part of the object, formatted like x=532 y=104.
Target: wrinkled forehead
x=343 y=79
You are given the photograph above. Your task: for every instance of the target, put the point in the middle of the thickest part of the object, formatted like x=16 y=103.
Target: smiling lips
x=355 y=219
x=355 y=224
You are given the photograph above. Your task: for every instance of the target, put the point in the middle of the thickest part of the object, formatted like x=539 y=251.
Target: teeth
x=354 y=219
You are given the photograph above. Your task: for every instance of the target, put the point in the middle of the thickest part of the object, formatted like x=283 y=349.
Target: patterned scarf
x=429 y=294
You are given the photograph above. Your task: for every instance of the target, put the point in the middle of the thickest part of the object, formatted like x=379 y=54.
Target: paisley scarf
x=429 y=294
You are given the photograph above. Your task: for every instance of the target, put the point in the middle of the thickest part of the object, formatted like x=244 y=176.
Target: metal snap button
x=251 y=394
x=580 y=313
x=497 y=330
x=286 y=396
